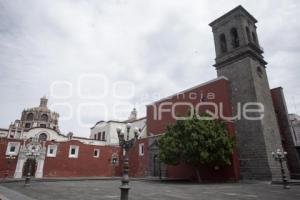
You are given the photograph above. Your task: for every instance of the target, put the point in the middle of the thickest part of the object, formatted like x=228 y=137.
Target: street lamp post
x=281 y=157
x=126 y=144
x=27 y=178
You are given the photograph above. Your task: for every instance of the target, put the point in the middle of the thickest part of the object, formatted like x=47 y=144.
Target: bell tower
x=239 y=58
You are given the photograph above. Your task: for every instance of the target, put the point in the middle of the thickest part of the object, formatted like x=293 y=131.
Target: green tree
x=194 y=141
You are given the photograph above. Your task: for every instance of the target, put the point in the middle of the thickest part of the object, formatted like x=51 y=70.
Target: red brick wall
x=220 y=88
x=5 y=166
x=63 y=166
x=84 y=165
x=207 y=173
x=138 y=165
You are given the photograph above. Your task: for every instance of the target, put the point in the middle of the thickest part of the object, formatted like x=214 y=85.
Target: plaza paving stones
x=146 y=190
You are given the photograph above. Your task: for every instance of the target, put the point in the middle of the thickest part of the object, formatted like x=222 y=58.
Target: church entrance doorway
x=29 y=167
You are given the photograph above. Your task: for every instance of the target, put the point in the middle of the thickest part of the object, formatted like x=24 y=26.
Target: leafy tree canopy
x=194 y=141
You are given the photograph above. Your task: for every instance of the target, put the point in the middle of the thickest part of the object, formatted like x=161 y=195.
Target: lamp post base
x=124 y=192
x=27 y=181
x=286 y=185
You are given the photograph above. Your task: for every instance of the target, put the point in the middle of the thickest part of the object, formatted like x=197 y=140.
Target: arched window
x=254 y=38
x=43 y=137
x=248 y=34
x=29 y=117
x=223 y=43
x=234 y=38
x=44 y=117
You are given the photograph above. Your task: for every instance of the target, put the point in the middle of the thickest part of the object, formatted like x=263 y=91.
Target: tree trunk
x=198 y=174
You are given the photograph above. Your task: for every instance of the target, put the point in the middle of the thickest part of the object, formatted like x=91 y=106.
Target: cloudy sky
x=96 y=59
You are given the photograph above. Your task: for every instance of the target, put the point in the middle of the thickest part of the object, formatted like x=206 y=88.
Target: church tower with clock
x=239 y=58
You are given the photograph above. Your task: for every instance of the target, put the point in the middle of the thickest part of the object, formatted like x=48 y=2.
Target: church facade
x=241 y=87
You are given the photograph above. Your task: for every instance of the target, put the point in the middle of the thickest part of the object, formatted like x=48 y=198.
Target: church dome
x=40 y=116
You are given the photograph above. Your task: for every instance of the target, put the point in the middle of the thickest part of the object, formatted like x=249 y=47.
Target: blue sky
x=94 y=57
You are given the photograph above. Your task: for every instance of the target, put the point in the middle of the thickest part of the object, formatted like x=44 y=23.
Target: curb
x=92 y=179
x=292 y=182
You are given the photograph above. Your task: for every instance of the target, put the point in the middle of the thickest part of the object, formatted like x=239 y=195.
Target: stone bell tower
x=239 y=58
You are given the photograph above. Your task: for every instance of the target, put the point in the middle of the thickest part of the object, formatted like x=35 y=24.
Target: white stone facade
x=110 y=130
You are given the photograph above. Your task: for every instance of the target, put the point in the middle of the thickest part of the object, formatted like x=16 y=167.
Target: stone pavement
x=8 y=194
x=146 y=190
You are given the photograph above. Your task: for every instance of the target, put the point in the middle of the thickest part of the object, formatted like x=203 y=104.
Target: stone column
x=40 y=164
x=39 y=169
